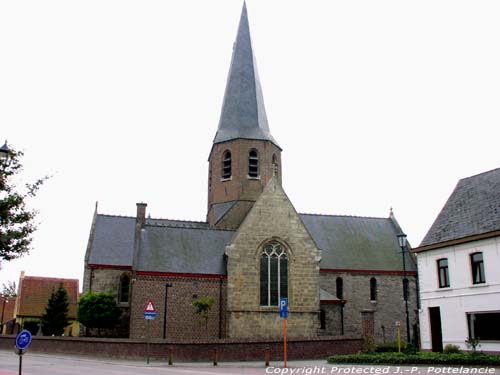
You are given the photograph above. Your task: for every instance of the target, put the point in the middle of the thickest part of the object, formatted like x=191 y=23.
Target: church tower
x=244 y=154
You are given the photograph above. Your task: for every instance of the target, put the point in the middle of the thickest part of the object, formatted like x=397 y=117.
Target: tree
x=9 y=289
x=16 y=221
x=202 y=306
x=98 y=310
x=55 y=319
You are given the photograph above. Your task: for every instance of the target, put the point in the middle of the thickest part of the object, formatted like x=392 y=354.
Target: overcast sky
x=376 y=104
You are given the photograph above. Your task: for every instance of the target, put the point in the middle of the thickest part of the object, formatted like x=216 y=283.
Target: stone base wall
x=227 y=350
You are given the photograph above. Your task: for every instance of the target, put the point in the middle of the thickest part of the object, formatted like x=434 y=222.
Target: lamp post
x=4 y=152
x=5 y=300
x=402 y=244
x=167 y=285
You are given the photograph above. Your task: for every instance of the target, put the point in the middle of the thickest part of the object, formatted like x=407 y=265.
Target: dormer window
x=253 y=163
x=226 y=164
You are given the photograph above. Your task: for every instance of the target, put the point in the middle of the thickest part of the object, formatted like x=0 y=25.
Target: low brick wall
x=227 y=349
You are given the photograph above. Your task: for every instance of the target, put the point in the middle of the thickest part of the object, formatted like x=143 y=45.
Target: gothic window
x=406 y=289
x=443 y=275
x=253 y=163
x=373 y=289
x=340 y=288
x=477 y=264
x=226 y=164
x=124 y=292
x=273 y=274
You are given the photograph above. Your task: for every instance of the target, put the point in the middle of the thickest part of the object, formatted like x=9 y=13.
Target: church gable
x=272 y=228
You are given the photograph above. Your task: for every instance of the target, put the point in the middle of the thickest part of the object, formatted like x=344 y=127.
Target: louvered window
x=253 y=163
x=226 y=164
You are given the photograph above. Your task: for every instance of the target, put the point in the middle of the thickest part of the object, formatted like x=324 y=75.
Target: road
x=44 y=364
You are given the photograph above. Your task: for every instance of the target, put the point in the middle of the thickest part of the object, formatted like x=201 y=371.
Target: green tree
x=202 y=307
x=9 y=289
x=98 y=310
x=16 y=220
x=55 y=319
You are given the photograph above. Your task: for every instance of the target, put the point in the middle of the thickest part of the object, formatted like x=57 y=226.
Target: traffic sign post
x=149 y=314
x=284 y=315
x=23 y=340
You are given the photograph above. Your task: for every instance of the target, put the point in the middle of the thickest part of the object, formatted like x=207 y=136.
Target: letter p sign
x=283 y=307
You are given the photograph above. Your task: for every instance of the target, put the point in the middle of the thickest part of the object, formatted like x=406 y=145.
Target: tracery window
x=273 y=274
x=226 y=164
x=253 y=163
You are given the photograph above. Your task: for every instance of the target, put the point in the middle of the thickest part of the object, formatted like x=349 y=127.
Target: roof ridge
x=121 y=216
x=208 y=227
x=353 y=216
x=181 y=220
x=479 y=174
x=49 y=278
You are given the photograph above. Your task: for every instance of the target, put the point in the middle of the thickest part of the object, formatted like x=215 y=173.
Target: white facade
x=462 y=296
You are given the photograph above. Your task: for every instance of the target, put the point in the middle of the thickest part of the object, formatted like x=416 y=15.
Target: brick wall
x=228 y=350
x=182 y=321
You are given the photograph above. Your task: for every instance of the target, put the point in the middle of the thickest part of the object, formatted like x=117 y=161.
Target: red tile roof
x=10 y=304
x=34 y=294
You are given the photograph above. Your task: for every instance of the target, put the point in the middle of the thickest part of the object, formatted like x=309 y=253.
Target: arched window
x=273 y=274
x=406 y=289
x=340 y=288
x=226 y=164
x=275 y=166
x=124 y=292
x=253 y=163
x=373 y=289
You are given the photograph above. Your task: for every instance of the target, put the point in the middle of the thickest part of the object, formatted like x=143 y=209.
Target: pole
x=20 y=362
x=167 y=285
x=147 y=342
x=398 y=324
x=3 y=311
x=405 y=295
x=284 y=343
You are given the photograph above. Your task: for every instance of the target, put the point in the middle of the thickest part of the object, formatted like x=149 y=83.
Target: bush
x=426 y=358
x=451 y=349
x=32 y=326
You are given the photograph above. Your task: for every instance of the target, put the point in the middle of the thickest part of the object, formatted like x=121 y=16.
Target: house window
x=484 y=325
x=373 y=289
x=253 y=163
x=406 y=289
x=444 y=277
x=226 y=164
x=273 y=274
x=340 y=288
x=124 y=292
x=477 y=265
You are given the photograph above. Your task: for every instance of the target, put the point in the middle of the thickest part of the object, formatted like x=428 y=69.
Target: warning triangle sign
x=150 y=307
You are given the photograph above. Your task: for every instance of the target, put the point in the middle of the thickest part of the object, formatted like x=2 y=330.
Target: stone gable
x=273 y=217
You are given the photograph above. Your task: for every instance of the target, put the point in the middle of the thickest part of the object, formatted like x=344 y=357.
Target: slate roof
x=34 y=294
x=183 y=250
x=473 y=208
x=357 y=243
x=113 y=242
x=243 y=114
x=189 y=247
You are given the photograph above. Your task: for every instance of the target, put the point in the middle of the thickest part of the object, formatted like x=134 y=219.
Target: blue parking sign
x=283 y=307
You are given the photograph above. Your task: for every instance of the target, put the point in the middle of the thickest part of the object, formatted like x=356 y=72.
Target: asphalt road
x=42 y=364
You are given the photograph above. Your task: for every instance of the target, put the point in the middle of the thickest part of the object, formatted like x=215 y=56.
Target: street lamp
x=167 y=285
x=402 y=245
x=4 y=152
x=5 y=300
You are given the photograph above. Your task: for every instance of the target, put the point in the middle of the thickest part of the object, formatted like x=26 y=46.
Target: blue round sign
x=23 y=339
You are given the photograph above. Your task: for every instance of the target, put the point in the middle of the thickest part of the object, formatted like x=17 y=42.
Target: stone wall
x=272 y=218
x=182 y=321
x=388 y=308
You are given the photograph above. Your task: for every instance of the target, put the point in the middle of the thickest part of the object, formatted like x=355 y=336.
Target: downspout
x=220 y=307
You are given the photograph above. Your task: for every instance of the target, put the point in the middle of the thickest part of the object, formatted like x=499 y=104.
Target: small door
x=436 y=332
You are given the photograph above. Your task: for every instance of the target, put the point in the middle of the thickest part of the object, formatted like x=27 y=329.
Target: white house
x=459 y=268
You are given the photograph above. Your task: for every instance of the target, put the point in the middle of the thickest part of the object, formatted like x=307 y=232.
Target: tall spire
x=243 y=113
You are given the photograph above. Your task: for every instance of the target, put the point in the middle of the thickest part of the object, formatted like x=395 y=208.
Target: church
x=342 y=275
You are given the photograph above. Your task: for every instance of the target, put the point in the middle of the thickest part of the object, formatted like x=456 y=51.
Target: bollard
x=266 y=357
x=215 y=357
x=170 y=357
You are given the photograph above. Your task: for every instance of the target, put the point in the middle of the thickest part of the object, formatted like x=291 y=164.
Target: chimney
x=141 y=213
